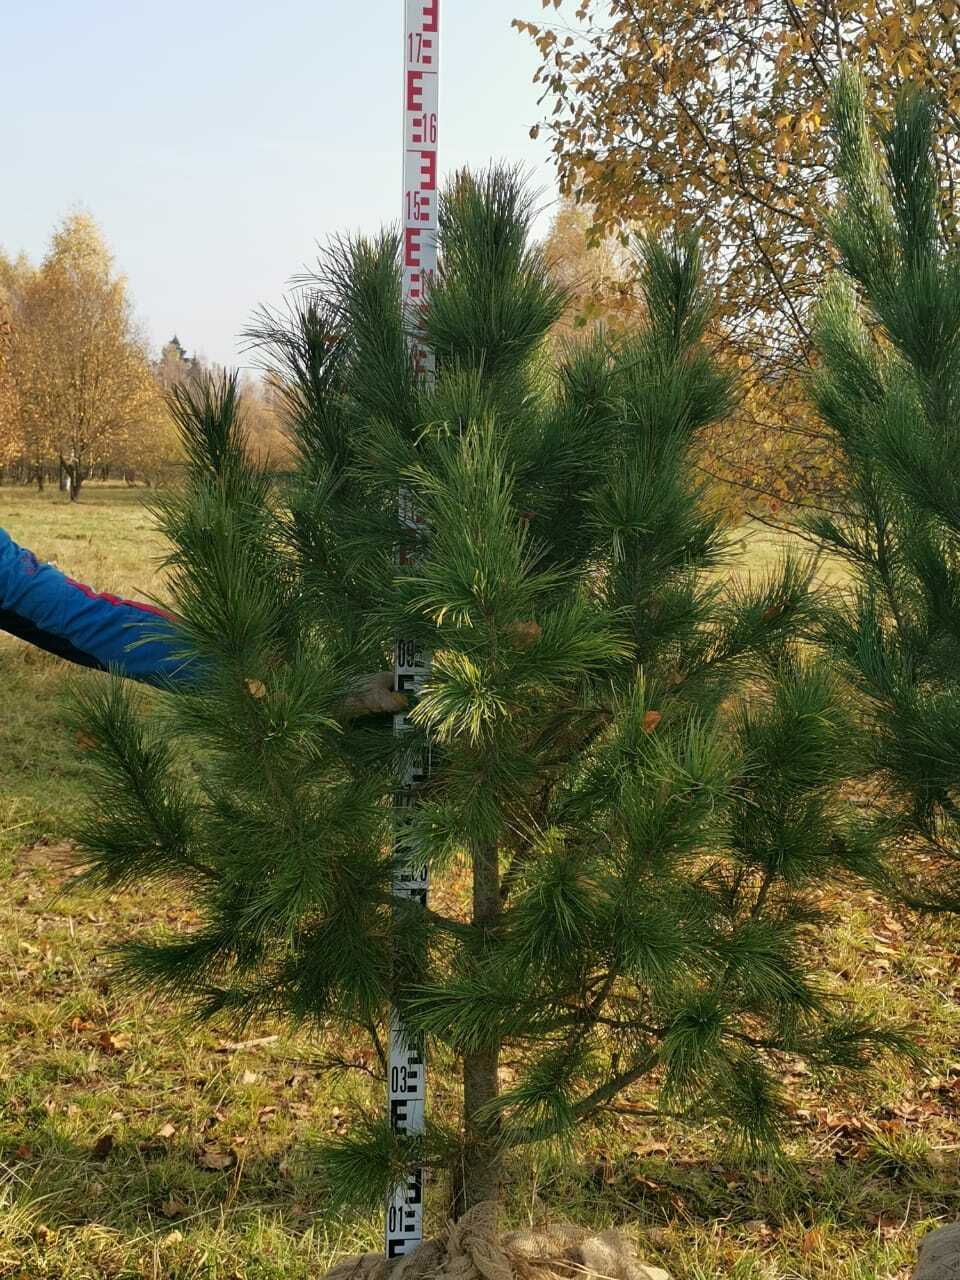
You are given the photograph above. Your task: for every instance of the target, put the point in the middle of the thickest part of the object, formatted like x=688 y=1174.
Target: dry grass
x=132 y=1146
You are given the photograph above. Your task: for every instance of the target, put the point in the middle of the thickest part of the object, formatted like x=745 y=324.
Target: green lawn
x=131 y=1146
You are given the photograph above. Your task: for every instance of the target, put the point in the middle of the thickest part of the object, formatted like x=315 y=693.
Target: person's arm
x=43 y=606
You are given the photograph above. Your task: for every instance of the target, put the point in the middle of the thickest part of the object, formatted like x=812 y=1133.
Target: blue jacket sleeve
x=41 y=605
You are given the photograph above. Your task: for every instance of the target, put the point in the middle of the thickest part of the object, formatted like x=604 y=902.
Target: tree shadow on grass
x=151 y=1185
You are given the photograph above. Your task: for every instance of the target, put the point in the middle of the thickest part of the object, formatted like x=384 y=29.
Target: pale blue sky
x=217 y=142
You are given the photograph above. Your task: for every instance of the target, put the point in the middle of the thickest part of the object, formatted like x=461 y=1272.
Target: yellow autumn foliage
x=713 y=115
x=85 y=394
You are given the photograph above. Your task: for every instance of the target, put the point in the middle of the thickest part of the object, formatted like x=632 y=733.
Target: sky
x=216 y=144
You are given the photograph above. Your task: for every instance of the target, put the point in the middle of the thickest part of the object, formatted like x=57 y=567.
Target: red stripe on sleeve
x=119 y=601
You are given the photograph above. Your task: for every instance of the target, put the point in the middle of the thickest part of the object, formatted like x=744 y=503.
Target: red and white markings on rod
x=406 y=1083
x=420 y=105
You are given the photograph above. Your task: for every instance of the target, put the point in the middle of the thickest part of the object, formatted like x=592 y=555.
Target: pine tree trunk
x=481 y=1162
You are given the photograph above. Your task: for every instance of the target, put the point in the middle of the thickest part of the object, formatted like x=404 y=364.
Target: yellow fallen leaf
x=110 y=1043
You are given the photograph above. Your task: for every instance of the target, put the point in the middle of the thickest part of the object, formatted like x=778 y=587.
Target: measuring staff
x=406 y=1075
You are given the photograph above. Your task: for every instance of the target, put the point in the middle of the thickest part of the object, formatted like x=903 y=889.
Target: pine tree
x=888 y=388
x=636 y=767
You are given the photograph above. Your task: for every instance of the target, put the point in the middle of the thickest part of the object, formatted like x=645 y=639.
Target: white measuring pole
x=406 y=1081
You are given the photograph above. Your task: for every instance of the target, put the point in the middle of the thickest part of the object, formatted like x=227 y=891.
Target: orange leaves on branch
x=594 y=270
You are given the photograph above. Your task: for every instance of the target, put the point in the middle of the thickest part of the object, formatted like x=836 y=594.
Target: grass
x=108 y=539
x=133 y=1146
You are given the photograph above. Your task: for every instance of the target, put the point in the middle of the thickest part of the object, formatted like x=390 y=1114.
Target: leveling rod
x=406 y=1074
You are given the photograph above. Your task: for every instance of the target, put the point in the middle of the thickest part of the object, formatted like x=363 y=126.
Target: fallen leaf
x=256 y=688
x=763 y=1230
x=651 y=720
x=110 y=1043
x=249 y=1077
x=651 y=1148
x=812 y=1241
x=174 y=1206
x=215 y=1160
x=887 y=1228
x=167 y=1130
x=172 y=1238
x=233 y=1046
x=23 y=1153
x=103 y=1146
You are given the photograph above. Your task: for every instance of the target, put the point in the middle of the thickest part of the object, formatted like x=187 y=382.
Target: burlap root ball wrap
x=471 y=1250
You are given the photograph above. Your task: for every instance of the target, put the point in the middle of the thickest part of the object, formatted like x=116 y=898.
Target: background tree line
x=668 y=115
x=80 y=395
